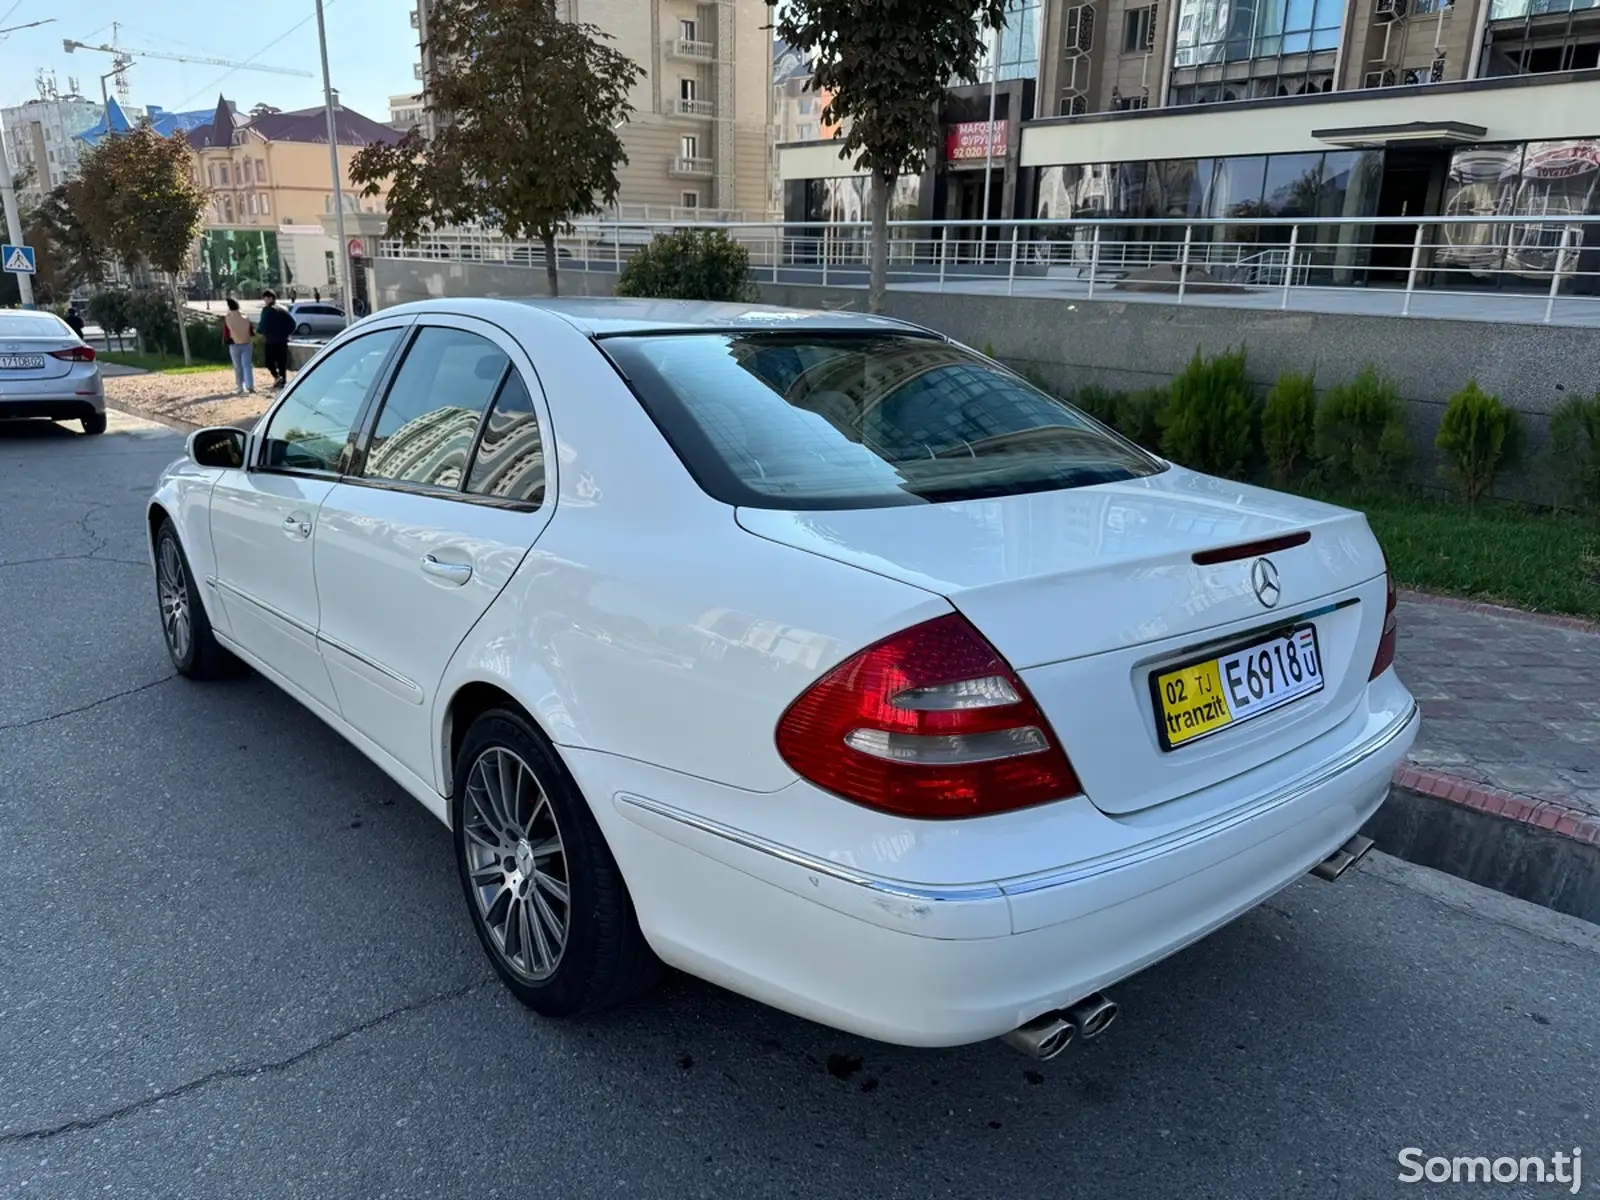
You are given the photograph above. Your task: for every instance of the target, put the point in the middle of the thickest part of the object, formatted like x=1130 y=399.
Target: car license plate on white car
x=1210 y=694
x=21 y=362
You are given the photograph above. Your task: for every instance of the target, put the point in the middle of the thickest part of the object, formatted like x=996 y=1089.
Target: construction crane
x=122 y=58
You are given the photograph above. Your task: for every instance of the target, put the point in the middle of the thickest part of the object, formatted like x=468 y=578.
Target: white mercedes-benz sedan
x=811 y=653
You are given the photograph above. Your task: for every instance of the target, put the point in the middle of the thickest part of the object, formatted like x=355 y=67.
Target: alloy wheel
x=517 y=864
x=172 y=587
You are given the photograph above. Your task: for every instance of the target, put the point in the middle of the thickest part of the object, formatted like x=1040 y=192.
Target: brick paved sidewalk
x=1509 y=701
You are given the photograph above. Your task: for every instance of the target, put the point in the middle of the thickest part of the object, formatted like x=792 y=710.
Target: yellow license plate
x=1201 y=697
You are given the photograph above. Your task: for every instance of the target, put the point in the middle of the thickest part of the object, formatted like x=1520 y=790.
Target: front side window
x=509 y=463
x=309 y=430
x=430 y=416
x=851 y=420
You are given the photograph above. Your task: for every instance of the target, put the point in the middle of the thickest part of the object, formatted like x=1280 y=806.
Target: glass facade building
x=1217 y=31
x=1019 y=43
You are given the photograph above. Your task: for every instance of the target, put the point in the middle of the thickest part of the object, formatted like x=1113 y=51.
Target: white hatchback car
x=813 y=654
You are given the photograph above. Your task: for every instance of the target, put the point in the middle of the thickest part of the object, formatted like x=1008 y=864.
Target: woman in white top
x=237 y=332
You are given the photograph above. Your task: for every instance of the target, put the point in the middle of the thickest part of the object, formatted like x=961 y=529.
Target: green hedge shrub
x=1099 y=402
x=1138 y=417
x=1361 y=432
x=1477 y=435
x=1289 y=426
x=689 y=264
x=1575 y=451
x=1209 y=419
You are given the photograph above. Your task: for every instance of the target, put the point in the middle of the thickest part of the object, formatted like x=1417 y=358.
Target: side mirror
x=220 y=446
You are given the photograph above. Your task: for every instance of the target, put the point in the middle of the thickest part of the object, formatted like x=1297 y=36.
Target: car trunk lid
x=1088 y=591
x=17 y=350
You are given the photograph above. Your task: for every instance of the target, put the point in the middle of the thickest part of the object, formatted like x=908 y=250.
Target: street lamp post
x=13 y=220
x=8 y=190
x=342 y=259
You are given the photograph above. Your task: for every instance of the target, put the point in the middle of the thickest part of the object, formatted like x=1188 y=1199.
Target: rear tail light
x=1391 y=626
x=930 y=722
x=74 y=354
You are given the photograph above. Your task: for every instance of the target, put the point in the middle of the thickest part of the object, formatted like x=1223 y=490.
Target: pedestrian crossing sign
x=17 y=259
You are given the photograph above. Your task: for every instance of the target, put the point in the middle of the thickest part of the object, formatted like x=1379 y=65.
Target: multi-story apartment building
x=1146 y=109
x=41 y=136
x=406 y=111
x=269 y=183
x=700 y=135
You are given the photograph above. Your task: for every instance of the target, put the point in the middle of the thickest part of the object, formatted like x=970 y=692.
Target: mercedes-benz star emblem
x=1264 y=578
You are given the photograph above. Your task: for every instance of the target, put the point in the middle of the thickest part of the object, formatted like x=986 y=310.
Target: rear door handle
x=456 y=573
x=297 y=526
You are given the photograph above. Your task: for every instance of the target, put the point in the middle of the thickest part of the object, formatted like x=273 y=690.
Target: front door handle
x=296 y=525
x=456 y=573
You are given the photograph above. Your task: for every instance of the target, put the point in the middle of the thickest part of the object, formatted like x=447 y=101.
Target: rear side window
x=429 y=418
x=839 y=420
x=509 y=463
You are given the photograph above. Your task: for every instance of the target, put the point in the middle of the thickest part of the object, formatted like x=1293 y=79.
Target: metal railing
x=1496 y=267
x=691 y=168
x=693 y=48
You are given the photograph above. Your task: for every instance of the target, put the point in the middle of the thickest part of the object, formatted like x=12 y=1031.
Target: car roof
x=604 y=316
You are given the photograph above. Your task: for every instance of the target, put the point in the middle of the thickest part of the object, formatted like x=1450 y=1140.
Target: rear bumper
x=59 y=408
x=943 y=964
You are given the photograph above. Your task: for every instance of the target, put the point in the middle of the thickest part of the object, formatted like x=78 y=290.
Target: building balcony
x=695 y=108
x=692 y=49
x=691 y=168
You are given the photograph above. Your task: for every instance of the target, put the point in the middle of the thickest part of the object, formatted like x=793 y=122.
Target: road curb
x=174 y=423
x=1542 y=851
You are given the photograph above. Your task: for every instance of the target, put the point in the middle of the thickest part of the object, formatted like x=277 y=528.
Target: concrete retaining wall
x=1130 y=344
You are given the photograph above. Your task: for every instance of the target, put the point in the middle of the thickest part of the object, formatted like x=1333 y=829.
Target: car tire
x=185 y=628
x=302 y=329
x=517 y=860
x=94 y=423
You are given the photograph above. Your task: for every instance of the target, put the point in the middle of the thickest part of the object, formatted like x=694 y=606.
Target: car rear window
x=842 y=420
x=38 y=325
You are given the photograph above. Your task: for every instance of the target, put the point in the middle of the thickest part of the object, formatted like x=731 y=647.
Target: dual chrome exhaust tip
x=1342 y=859
x=1046 y=1036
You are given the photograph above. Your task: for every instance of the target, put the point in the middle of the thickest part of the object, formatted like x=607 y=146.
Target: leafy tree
x=109 y=310
x=68 y=254
x=527 y=107
x=884 y=65
x=137 y=197
x=689 y=264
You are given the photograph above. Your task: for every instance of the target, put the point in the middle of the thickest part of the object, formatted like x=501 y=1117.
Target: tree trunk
x=183 y=326
x=879 y=283
x=551 y=274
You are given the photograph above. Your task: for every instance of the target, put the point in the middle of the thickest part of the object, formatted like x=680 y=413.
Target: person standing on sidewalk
x=237 y=332
x=276 y=326
x=74 y=320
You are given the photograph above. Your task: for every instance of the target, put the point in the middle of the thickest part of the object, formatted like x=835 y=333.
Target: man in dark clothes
x=275 y=325
x=74 y=320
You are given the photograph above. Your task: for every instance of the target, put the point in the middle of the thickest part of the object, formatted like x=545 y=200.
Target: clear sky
x=371 y=49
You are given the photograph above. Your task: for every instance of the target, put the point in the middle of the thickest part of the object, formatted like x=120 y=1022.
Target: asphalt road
x=234 y=961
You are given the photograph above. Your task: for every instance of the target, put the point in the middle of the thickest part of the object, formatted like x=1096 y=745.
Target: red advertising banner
x=967 y=143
